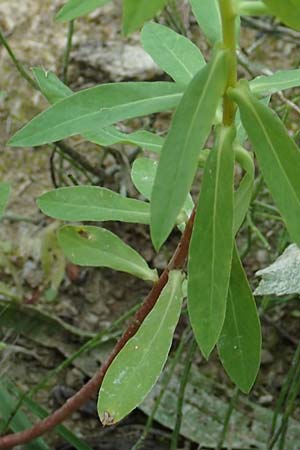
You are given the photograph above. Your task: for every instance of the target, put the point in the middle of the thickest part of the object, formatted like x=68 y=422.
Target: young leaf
x=243 y=195
x=92 y=203
x=143 y=175
x=277 y=153
x=208 y=16
x=211 y=245
x=4 y=194
x=137 y=367
x=239 y=345
x=55 y=90
x=288 y=11
x=268 y=85
x=136 y=13
x=51 y=87
x=97 y=247
x=77 y=8
x=174 y=53
x=189 y=130
x=97 y=107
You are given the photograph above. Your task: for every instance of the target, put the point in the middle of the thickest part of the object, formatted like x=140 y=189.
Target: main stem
x=228 y=14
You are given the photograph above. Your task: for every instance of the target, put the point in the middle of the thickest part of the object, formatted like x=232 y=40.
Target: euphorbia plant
x=208 y=99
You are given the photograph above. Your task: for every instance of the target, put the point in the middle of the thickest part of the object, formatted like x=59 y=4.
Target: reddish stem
x=92 y=386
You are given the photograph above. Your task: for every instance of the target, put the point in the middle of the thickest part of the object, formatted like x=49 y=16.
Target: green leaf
x=4 y=195
x=143 y=175
x=211 y=245
x=268 y=85
x=239 y=345
x=208 y=16
x=77 y=8
x=288 y=11
x=241 y=132
x=136 y=13
x=277 y=153
x=189 y=130
x=243 y=195
x=174 y=53
x=92 y=203
x=137 y=367
x=55 y=90
x=97 y=247
x=97 y=107
x=141 y=138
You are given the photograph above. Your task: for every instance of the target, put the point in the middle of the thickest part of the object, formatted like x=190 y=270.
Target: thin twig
x=80 y=159
x=92 y=387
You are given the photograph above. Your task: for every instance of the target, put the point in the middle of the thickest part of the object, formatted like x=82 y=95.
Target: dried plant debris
x=283 y=276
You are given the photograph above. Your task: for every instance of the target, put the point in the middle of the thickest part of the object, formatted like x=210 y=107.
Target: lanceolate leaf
x=97 y=107
x=208 y=16
x=211 y=245
x=239 y=345
x=55 y=90
x=97 y=247
x=94 y=204
x=189 y=130
x=136 y=13
x=174 y=53
x=78 y=8
x=277 y=153
x=4 y=194
x=137 y=367
x=288 y=11
x=268 y=85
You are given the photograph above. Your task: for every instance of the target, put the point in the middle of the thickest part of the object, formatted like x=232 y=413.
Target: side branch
x=91 y=387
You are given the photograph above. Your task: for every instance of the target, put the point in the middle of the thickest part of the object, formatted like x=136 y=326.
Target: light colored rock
x=117 y=61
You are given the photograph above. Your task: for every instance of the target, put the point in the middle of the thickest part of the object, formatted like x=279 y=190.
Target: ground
x=89 y=301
